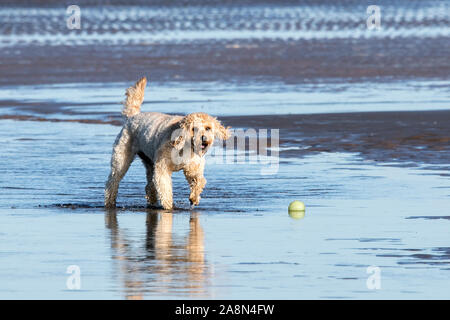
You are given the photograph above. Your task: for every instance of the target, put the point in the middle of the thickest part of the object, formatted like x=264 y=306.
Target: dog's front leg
x=162 y=180
x=196 y=185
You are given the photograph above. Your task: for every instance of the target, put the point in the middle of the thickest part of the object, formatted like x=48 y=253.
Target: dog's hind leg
x=150 y=189
x=121 y=159
x=162 y=180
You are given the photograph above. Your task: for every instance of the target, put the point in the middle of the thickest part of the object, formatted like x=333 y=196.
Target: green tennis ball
x=296 y=206
x=297 y=214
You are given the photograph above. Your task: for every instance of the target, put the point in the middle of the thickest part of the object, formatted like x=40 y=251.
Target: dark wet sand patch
x=392 y=240
x=430 y=217
x=41 y=119
x=407 y=138
x=404 y=137
x=47 y=107
x=137 y=208
x=293 y=62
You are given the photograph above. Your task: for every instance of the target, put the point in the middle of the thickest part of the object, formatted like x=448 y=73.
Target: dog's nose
x=204 y=139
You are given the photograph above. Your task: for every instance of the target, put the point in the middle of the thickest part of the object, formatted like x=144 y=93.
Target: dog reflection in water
x=164 y=264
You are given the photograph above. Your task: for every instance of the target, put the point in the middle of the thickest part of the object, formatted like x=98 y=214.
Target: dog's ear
x=183 y=133
x=220 y=131
x=178 y=142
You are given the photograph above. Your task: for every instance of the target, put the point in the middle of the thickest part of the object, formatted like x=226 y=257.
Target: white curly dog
x=165 y=143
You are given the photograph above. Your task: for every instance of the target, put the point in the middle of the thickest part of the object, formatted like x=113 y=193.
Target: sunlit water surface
x=240 y=242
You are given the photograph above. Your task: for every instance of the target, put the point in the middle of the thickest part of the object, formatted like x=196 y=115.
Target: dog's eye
x=208 y=128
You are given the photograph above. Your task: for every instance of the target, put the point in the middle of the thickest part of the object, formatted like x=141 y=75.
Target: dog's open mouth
x=204 y=145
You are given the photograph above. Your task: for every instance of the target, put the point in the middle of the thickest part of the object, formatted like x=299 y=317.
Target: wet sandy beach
x=289 y=42
x=364 y=127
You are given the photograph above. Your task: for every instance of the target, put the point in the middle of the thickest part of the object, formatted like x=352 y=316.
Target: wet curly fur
x=165 y=143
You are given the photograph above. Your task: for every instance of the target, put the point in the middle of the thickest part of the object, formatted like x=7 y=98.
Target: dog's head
x=199 y=130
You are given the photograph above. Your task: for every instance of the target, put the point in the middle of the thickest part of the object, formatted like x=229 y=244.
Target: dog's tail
x=135 y=96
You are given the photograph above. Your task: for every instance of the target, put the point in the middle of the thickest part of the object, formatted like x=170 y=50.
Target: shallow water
x=239 y=243
x=147 y=24
x=99 y=100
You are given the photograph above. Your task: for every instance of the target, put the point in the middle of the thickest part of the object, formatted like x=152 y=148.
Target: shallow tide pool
x=239 y=243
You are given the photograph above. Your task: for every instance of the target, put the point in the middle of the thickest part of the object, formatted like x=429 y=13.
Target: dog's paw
x=194 y=201
x=151 y=200
x=167 y=205
x=110 y=205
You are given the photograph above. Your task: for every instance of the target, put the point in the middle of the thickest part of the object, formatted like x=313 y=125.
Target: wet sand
x=406 y=138
x=410 y=138
x=231 y=61
x=232 y=42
